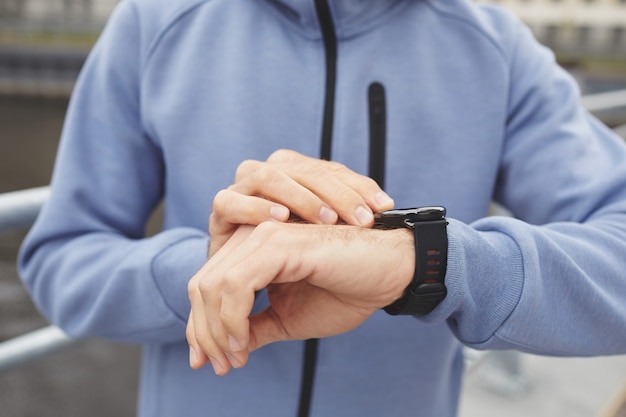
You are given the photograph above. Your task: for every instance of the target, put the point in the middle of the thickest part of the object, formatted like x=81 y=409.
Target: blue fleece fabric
x=177 y=93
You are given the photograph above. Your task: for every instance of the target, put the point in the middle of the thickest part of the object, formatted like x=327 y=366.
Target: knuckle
x=204 y=340
x=228 y=318
x=313 y=170
x=192 y=288
x=318 y=176
x=229 y=286
x=370 y=183
x=335 y=166
x=270 y=234
x=267 y=229
x=267 y=175
x=263 y=233
x=226 y=285
x=349 y=198
x=205 y=287
x=245 y=168
x=190 y=333
x=220 y=200
x=281 y=155
x=212 y=221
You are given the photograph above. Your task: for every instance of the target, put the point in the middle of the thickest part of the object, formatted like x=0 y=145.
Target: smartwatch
x=427 y=289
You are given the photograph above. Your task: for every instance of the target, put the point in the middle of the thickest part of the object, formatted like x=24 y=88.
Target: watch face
x=406 y=217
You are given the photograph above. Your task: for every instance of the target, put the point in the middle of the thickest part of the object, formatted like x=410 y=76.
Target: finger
x=229 y=328
x=366 y=187
x=202 y=339
x=228 y=297
x=246 y=168
x=274 y=184
x=197 y=357
x=231 y=209
x=206 y=350
x=265 y=328
x=237 y=303
x=314 y=176
x=363 y=185
x=352 y=195
x=351 y=207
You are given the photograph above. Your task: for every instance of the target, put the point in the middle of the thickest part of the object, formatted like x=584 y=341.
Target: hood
x=351 y=17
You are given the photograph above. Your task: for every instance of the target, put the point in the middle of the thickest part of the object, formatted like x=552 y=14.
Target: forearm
x=105 y=285
x=555 y=289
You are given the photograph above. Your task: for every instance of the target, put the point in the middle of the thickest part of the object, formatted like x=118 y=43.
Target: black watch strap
x=427 y=289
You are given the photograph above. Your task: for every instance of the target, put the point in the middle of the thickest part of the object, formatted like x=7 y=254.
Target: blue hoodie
x=177 y=93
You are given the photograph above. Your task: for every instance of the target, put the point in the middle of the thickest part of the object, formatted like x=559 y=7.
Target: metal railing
x=604 y=101
x=19 y=209
x=33 y=345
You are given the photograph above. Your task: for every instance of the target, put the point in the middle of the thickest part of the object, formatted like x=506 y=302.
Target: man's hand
x=317 y=191
x=321 y=281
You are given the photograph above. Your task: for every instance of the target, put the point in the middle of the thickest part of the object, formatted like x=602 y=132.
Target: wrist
x=427 y=288
x=403 y=267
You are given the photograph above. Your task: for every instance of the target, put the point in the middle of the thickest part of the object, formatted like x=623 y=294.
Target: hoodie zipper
x=327 y=26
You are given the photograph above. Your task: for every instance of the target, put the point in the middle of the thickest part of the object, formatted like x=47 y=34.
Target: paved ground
x=557 y=387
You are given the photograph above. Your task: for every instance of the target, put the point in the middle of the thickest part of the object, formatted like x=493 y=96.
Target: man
x=176 y=94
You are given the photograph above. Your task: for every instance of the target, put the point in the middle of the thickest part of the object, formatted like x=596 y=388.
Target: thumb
x=265 y=328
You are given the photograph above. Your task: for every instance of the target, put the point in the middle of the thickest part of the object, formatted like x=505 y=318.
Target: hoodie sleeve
x=86 y=262
x=552 y=280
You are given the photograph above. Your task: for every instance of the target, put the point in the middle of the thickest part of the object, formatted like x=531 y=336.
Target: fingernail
x=280 y=213
x=234 y=344
x=382 y=199
x=193 y=357
x=217 y=367
x=328 y=216
x=233 y=361
x=364 y=216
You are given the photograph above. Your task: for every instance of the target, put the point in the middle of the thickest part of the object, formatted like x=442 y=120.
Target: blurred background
x=43 y=44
